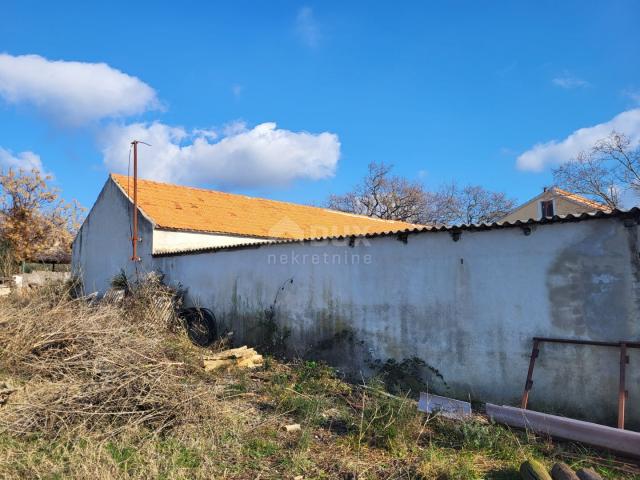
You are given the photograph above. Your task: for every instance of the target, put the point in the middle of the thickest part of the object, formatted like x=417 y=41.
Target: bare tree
x=33 y=219
x=383 y=195
x=612 y=165
x=443 y=206
x=452 y=204
x=395 y=198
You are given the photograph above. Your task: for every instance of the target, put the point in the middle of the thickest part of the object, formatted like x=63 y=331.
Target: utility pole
x=134 y=238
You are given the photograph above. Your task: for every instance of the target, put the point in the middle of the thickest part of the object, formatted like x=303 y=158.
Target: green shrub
x=260 y=448
x=124 y=456
x=307 y=391
x=480 y=436
x=387 y=421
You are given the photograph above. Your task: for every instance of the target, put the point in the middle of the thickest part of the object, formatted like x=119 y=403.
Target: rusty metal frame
x=624 y=360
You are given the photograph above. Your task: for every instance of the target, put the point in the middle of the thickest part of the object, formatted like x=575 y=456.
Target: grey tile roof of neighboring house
x=633 y=213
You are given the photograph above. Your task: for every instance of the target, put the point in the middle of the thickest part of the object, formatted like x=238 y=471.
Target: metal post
x=529 y=383
x=622 y=392
x=135 y=239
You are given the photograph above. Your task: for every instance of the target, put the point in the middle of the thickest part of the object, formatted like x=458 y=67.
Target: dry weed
x=101 y=366
x=113 y=389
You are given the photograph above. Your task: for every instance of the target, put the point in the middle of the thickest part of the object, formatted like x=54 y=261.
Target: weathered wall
x=531 y=209
x=102 y=247
x=468 y=309
x=39 y=278
x=525 y=212
x=562 y=206
x=172 y=241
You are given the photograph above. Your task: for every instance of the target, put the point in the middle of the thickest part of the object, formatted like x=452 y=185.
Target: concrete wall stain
x=633 y=243
x=588 y=288
x=470 y=321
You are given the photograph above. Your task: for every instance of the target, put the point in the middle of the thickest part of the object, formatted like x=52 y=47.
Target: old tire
x=200 y=324
x=532 y=470
x=562 y=471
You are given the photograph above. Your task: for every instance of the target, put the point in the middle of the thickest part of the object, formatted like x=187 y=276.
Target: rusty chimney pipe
x=134 y=238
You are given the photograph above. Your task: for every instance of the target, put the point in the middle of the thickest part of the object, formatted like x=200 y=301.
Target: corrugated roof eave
x=571 y=217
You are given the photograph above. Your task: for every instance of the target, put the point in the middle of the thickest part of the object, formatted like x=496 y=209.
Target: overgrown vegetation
x=7 y=260
x=36 y=225
x=405 y=377
x=113 y=389
x=34 y=221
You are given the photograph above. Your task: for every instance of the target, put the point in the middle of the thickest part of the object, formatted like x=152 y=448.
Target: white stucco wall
x=172 y=241
x=102 y=247
x=468 y=309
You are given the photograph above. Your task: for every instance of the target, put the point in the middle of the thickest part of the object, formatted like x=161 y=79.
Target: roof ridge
x=580 y=198
x=207 y=190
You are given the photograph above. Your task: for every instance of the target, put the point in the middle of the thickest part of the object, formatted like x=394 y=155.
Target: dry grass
x=114 y=390
x=91 y=368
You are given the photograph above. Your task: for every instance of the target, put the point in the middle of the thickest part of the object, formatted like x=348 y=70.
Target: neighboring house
x=554 y=201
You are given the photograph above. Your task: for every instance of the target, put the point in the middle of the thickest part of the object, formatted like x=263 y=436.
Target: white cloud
x=556 y=152
x=25 y=160
x=568 y=81
x=629 y=198
x=307 y=27
x=262 y=156
x=234 y=128
x=208 y=133
x=73 y=93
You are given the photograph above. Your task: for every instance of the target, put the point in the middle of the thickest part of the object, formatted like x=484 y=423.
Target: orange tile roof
x=195 y=209
x=580 y=199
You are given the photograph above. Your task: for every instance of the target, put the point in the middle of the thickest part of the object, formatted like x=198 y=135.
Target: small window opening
x=546 y=208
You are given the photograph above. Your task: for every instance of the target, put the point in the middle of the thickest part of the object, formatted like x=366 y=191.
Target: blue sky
x=292 y=100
